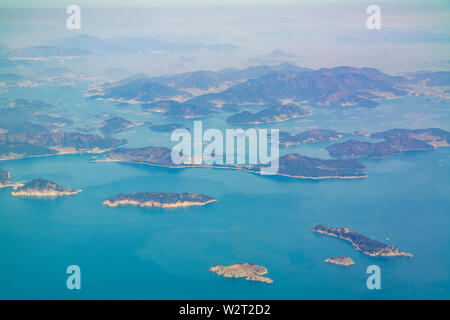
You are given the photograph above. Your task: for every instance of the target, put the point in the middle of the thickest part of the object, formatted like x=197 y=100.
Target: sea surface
x=142 y=253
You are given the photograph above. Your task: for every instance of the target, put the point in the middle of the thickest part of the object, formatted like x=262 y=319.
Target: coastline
x=42 y=194
x=155 y=203
x=230 y=168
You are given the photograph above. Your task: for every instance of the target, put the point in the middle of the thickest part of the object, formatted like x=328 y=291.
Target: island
x=291 y=165
x=362 y=243
x=159 y=199
x=433 y=136
x=172 y=109
x=5 y=180
x=115 y=125
x=352 y=149
x=309 y=136
x=272 y=114
x=43 y=188
x=294 y=165
x=32 y=143
x=248 y=271
x=396 y=142
x=169 y=127
x=340 y=261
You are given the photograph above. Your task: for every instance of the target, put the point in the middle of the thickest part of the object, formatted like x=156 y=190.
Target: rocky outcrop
x=249 y=271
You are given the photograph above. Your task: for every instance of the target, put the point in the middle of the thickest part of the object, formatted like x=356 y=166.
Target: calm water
x=137 y=253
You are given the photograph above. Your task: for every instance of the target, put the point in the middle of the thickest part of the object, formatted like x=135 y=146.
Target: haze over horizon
x=328 y=34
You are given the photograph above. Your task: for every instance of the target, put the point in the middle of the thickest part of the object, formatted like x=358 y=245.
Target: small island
x=310 y=136
x=172 y=109
x=169 y=127
x=272 y=114
x=294 y=165
x=43 y=188
x=249 y=271
x=396 y=142
x=340 y=261
x=362 y=243
x=116 y=124
x=159 y=199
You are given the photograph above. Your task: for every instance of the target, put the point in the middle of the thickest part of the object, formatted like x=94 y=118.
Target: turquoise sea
x=136 y=253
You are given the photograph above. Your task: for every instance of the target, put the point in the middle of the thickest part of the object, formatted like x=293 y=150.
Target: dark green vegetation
x=272 y=114
x=115 y=125
x=159 y=199
x=309 y=136
x=297 y=166
x=397 y=141
x=32 y=128
x=173 y=109
x=292 y=165
x=42 y=185
x=169 y=127
x=336 y=87
x=34 y=143
x=362 y=243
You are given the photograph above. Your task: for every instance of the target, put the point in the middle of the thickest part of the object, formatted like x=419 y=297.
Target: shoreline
x=231 y=168
x=43 y=194
x=150 y=204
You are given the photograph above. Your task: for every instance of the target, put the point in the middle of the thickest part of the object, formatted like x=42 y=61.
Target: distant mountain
x=48 y=52
x=432 y=79
x=206 y=79
x=139 y=89
x=199 y=79
x=342 y=86
x=231 y=74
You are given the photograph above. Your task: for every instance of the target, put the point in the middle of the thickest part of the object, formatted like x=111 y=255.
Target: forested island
x=248 y=271
x=43 y=188
x=291 y=165
x=272 y=114
x=362 y=243
x=159 y=199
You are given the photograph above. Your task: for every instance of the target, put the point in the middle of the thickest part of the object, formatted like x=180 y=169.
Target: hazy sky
x=414 y=34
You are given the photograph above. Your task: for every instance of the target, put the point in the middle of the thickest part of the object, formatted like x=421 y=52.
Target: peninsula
x=362 y=243
x=43 y=188
x=291 y=165
x=159 y=199
x=249 y=271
